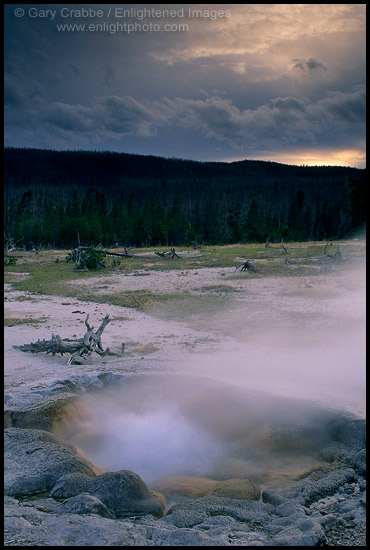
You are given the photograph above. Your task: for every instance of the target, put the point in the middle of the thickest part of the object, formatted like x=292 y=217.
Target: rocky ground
x=84 y=508
x=56 y=495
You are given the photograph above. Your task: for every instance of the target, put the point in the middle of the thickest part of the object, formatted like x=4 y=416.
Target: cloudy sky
x=282 y=82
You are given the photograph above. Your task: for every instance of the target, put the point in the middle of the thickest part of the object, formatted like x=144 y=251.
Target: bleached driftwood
x=81 y=347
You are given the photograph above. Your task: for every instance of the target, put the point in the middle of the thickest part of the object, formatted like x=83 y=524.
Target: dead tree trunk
x=124 y=254
x=82 y=347
x=246 y=266
x=171 y=253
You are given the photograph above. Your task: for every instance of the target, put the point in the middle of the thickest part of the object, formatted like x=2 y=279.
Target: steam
x=295 y=337
x=166 y=424
x=291 y=357
x=152 y=440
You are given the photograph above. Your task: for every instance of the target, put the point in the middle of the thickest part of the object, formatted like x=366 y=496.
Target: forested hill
x=57 y=197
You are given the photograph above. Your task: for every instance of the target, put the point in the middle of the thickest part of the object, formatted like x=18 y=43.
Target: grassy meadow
x=46 y=272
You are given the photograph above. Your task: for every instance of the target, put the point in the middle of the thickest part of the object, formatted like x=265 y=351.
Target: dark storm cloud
x=111 y=116
x=310 y=65
x=73 y=118
x=288 y=103
x=148 y=91
x=340 y=109
x=280 y=122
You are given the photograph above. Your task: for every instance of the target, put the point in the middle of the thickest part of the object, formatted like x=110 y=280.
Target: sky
x=209 y=82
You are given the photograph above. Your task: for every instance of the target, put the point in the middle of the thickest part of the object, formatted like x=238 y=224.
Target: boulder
x=124 y=493
x=70 y=485
x=34 y=460
x=84 y=504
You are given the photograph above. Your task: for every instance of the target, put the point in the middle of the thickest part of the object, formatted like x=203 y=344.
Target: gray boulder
x=124 y=493
x=84 y=504
x=70 y=485
x=34 y=460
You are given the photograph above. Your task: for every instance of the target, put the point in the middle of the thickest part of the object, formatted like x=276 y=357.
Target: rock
x=293 y=536
x=84 y=504
x=347 y=429
x=191 y=513
x=342 y=517
x=207 y=521
x=27 y=526
x=185 y=537
x=295 y=530
x=124 y=493
x=56 y=415
x=290 y=508
x=272 y=497
x=240 y=488
x=360 y=462
x=34 y=460
x=70 y=485
x=190 y=486
x=161 y=500
x=337 y=452
x=89 y=508
x=312 y=490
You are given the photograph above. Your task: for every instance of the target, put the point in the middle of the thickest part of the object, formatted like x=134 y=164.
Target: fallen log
x=80 y=256
x=124 y=254
x=79 y=348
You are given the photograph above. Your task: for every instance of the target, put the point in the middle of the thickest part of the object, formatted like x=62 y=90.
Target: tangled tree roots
x=79 y=348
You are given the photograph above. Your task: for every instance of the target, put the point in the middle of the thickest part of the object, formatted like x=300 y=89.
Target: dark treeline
x=61 y=199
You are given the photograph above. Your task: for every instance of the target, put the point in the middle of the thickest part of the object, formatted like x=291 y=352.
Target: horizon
x=281 y=83
x=185 y=159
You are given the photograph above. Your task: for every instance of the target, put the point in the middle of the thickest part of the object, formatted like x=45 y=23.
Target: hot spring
x=163 y=424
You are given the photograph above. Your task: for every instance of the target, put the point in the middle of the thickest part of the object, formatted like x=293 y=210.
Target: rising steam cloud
x=291 y=358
